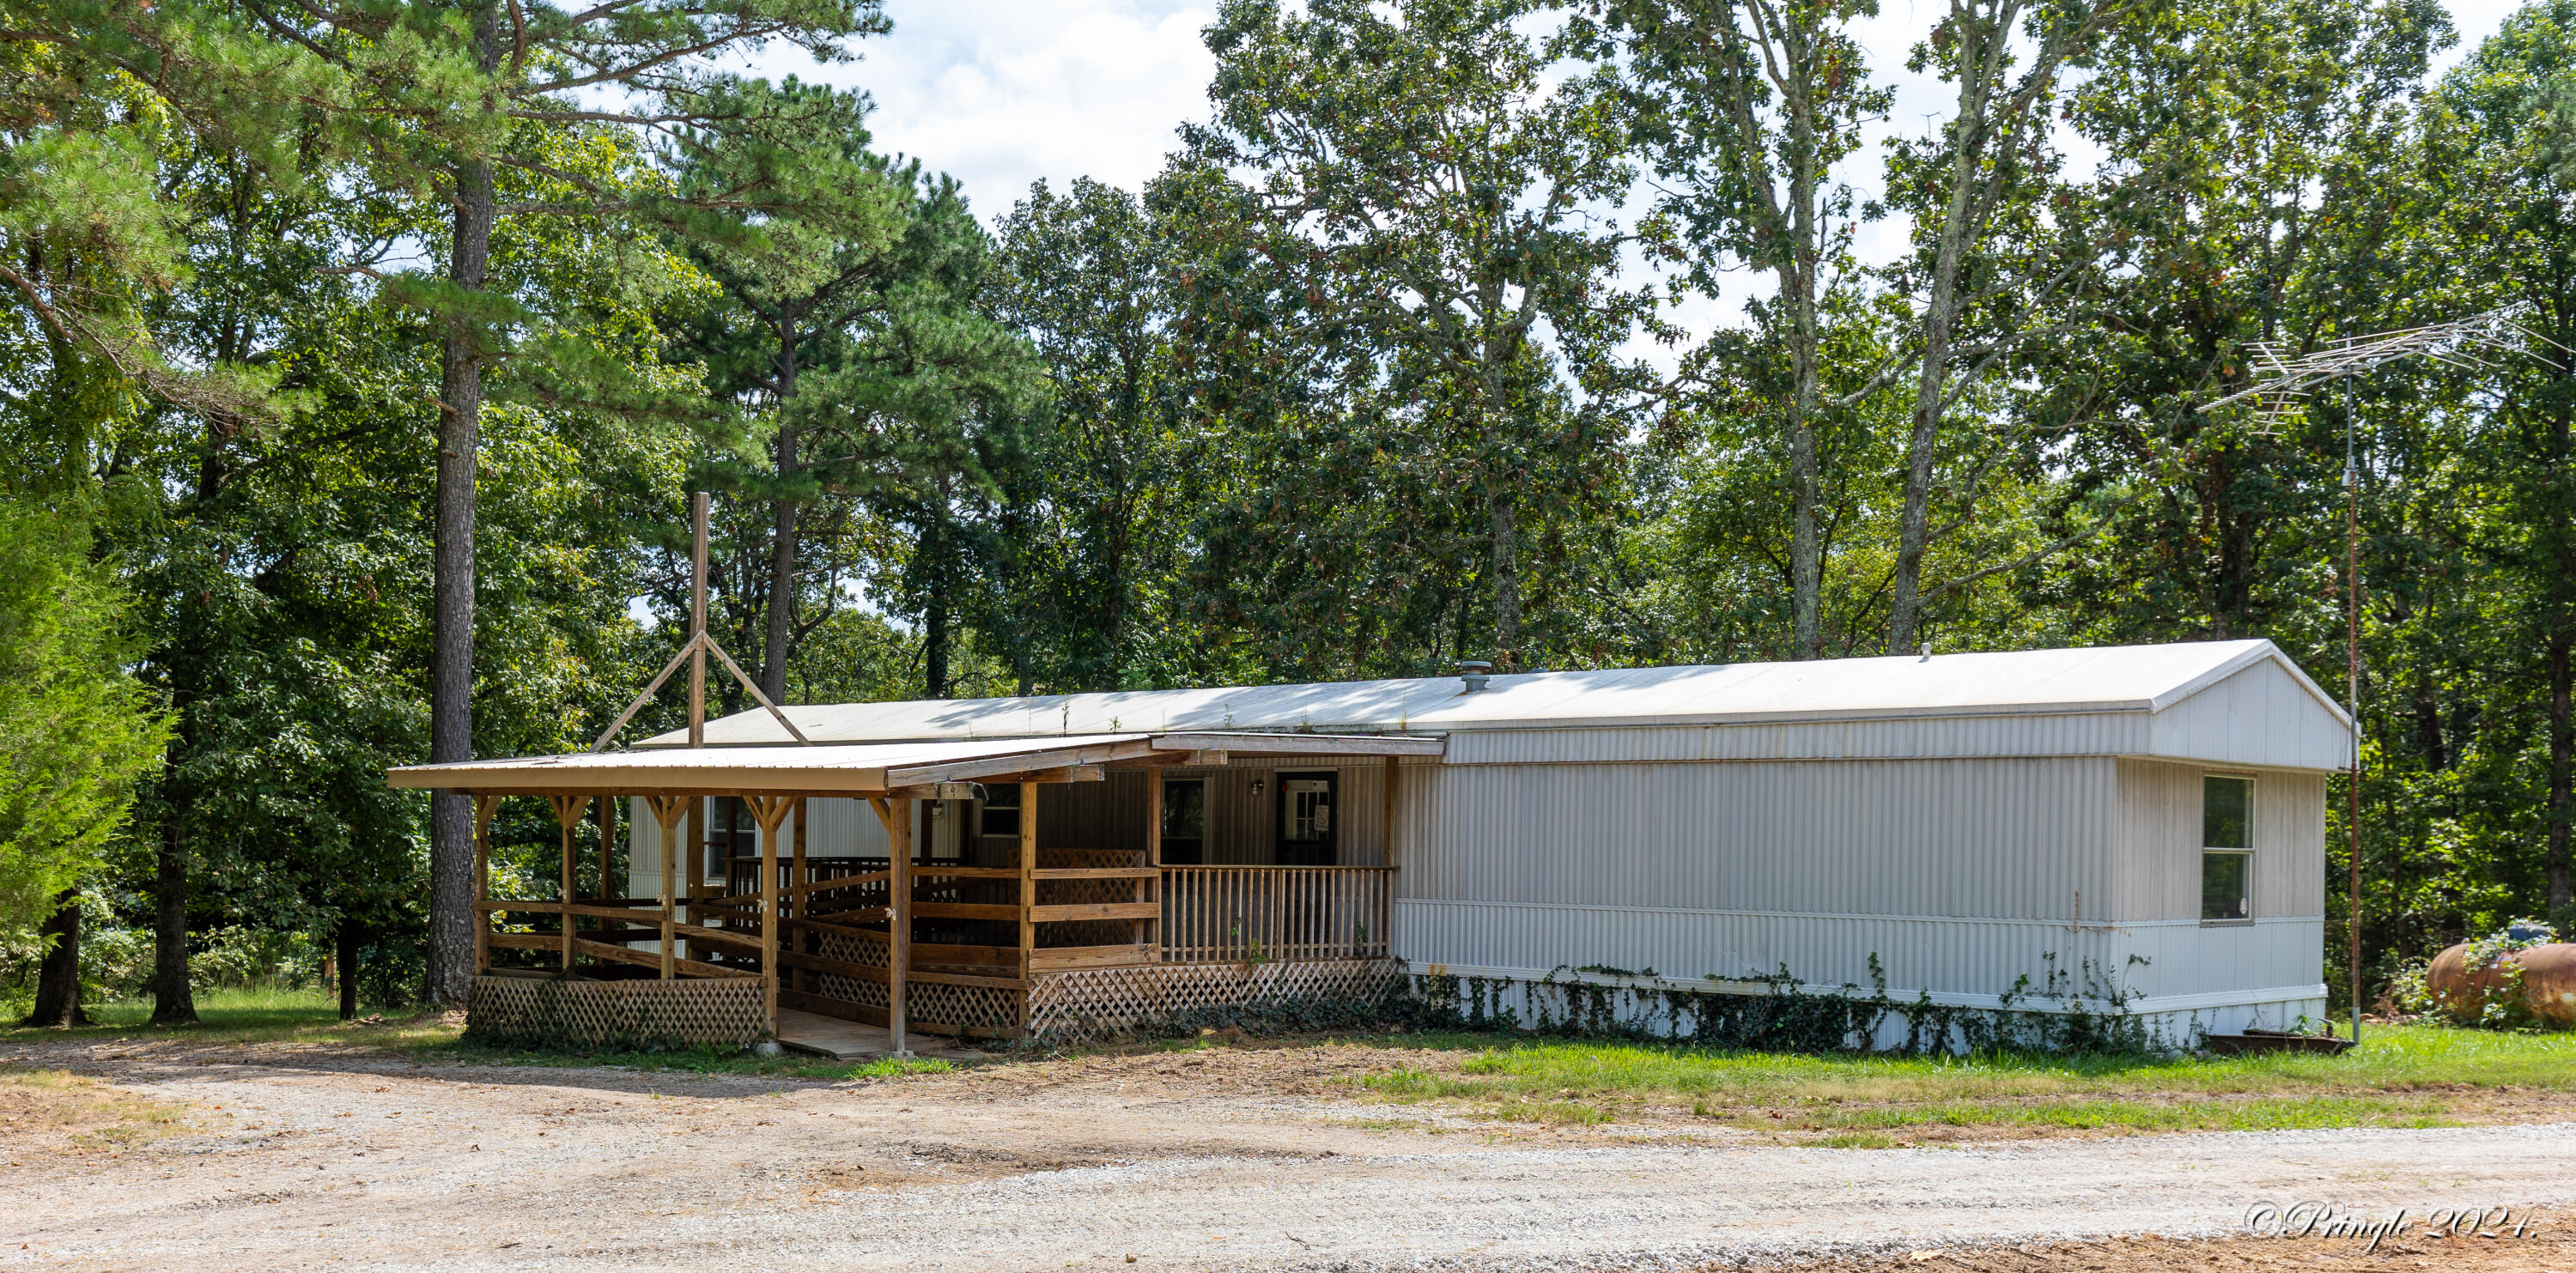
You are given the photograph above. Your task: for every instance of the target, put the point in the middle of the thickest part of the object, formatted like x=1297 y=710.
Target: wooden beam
x=1266 y=743
x=1386 y=849
x=797 y=878
x=696 y=852
x=483 y=810
x=1068 y=958
x=1154 y=850
x=899 y=922
x=647 y=959
x=1007 y=912
x=1032 y=761
x=769 y=812
x=935 y=791
x=1028 y=897
x=670 y=812
x=608 y=887
x=1094 y=910
x=568 y=815
x=697 y=618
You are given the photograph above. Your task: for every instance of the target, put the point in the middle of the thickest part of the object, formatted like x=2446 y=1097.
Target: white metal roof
x=854 y=768
x=2129 y=678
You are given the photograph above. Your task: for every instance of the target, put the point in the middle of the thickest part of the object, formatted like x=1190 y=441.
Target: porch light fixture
x=1257 y=786
x=1474 y=672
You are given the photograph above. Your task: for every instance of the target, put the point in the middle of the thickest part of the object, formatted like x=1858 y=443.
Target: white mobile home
x=2151 y=814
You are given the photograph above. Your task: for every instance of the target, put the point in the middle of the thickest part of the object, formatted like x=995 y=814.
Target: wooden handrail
x=1237 y=914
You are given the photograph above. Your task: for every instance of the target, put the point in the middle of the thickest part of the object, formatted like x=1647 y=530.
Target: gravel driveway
x=304 y=1159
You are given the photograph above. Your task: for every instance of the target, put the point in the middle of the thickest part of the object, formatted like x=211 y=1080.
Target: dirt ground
x=266 y=1157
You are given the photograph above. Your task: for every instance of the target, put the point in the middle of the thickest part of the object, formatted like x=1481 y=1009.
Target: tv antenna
x=695 y=650
x=2282 y=376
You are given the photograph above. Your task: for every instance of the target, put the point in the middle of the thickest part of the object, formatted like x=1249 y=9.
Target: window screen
x=2223 y=879
x=2226 y=836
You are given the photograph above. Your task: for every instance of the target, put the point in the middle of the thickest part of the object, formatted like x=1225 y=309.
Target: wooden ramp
x=854 y=1040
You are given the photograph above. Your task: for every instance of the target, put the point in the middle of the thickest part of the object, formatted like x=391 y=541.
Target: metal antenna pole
x=2352 y=695
x=2282 y=374
x=698 y=618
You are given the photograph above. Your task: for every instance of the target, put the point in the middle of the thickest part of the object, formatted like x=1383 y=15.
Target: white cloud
x=1002 y=93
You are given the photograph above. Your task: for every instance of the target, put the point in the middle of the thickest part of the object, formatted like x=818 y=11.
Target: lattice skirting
x=545 y=1012
x=1101 y=1002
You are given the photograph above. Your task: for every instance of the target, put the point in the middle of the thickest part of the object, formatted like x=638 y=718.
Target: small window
x=2226 y=813
x=1000 y=815
x=2226 y=848
x=1184 y=821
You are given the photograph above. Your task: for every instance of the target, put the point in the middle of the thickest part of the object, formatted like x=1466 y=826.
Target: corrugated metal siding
x=840 y=828
x=2259 y=716
x=1960 y=875
x=1945 y=956
x=2157 y=843
x=1243 y=829
x=2066 y=734
x=1991 y=838
x=2186 y=958
x=1916 y=952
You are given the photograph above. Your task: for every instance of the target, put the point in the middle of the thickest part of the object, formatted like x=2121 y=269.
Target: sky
x=1001 y=93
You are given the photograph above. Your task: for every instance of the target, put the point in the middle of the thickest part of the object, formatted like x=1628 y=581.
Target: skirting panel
x=545 y=1012
x=1100 y=1002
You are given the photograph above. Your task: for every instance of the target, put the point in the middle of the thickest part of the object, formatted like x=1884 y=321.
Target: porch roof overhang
x=871 y=769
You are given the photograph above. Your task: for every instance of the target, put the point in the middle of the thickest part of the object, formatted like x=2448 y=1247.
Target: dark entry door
x=1184 y=821
x=1306 y=819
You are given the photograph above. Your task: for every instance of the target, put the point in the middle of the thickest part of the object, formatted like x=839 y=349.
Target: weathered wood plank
x=1069 y=958
x=1092 y=910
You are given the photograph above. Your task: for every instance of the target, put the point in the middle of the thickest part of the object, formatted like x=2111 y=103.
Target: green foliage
x=76 y=730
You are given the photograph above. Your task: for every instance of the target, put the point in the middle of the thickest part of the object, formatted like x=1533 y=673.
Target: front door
x=1306 y=819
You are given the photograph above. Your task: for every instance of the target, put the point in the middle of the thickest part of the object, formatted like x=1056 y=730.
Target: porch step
x=855 y=1040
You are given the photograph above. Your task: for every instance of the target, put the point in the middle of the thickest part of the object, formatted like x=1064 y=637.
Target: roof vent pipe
x=1474 y=672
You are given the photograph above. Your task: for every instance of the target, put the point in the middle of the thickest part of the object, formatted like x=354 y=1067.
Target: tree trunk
x=347 y=941
x=58 y=988
x=782 y=577
x=1932 y=381
x=451 y=722
x=451 y=691
x=1507 y=579
x=934 y=647
x=174 y=1002
x=1798 y=286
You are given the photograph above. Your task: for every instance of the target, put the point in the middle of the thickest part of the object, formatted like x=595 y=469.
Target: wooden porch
x=994 y=951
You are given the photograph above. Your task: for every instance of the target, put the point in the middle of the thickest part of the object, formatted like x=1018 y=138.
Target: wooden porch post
x=694 y=868
x=607 y=836
x=669 y=811
x=567 y=815
x=1154 y=856
x=483 y=809
x=798 y=901
x=1028 y=873
x=769 y=812
x=899 y=920
x=1386 y=855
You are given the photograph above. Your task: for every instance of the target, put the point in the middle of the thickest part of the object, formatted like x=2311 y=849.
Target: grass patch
x=2405 y=1076
x=313 y=1017
x=248 y=1016
x=56 y=1107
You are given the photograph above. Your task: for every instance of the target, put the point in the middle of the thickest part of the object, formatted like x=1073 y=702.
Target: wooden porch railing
x=1232 y=914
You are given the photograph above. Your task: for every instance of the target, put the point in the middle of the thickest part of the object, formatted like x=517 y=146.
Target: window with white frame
x=2226 y=848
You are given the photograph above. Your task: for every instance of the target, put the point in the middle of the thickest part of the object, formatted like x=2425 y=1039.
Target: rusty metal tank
x=2548 y=982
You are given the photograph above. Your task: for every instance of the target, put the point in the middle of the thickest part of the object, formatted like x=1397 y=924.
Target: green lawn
x=2399 y=1076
